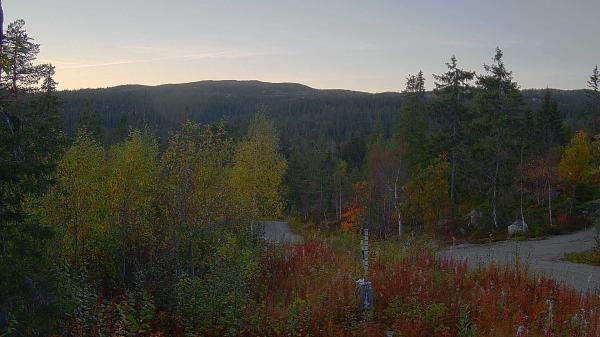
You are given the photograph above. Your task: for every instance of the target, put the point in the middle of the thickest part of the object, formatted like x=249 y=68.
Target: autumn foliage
x=313 y=293
x=576 y=166
x=353 y=216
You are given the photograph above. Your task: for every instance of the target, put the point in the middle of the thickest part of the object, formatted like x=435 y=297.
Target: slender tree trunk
x=340 y=204
x=397 y=203
x=453 y=159
x=549 y=201
x=522 y=215
x=495 y=184
x=452 y=185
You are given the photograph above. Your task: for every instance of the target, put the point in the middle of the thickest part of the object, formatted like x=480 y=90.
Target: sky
x=358 y=45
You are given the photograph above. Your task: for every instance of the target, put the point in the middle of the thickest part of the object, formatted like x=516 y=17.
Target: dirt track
x=543 y=256
x=279 y=232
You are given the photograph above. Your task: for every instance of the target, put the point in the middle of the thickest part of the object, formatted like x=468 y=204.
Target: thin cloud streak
x=161 y=54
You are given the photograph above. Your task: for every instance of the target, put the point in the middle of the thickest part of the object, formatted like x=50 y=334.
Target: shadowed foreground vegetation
x=309 y=290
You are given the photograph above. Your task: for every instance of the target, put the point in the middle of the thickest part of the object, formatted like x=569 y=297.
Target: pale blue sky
x=359 y=45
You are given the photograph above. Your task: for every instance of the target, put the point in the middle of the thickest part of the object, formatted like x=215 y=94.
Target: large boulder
x=519 y=226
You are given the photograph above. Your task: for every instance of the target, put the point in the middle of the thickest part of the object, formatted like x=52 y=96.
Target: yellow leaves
x=195 y=175
x=128 y=200
x=427 y=193
x=258 y=171
x=577 y=163
x=76 y=205
x=132 y=183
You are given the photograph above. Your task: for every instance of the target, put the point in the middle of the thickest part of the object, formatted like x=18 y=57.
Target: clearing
x=279 y=232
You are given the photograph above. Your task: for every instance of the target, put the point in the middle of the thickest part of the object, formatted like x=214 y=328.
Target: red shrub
x=417 y=296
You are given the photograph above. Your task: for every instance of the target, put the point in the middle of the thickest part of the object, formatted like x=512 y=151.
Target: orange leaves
x=353 y=215
x=417 y=295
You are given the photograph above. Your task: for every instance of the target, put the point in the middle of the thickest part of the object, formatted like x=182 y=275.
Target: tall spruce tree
x=411 y=132
x=593 y=100
x=499 y=106
x=453 y=89
x=548 y=122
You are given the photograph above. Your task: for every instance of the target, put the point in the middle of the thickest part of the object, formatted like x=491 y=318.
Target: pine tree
x=28 y=147
x=453 y=89
x=22 y=75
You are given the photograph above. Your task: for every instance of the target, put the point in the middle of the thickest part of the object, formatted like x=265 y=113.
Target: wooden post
x=364 y=287
x=365 y=252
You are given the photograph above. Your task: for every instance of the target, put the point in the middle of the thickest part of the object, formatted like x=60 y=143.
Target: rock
x=518 y=226
x=474 y=218
x=365 y=295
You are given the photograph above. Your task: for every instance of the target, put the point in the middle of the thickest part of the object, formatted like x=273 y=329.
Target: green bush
x=219 y=301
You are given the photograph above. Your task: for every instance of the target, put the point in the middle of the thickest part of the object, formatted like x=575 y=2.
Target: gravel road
x=279 y=232
x=545 y=257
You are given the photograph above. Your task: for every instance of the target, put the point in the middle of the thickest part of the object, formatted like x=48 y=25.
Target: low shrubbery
x=312 y=293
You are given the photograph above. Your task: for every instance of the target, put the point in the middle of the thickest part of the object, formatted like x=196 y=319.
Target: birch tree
x=257 y=173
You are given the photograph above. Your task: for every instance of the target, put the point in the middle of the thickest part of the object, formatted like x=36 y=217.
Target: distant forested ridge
x=296 y=108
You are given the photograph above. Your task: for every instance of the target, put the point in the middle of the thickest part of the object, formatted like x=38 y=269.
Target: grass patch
x=589 y=257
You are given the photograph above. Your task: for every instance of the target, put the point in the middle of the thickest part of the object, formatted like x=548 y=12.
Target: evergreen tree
x=410 y=136
x=90 y=120
x=29 y=139
x=22 y=75
x=593 y=100
x=499 y=111
x=453 y=89
x=548 y=122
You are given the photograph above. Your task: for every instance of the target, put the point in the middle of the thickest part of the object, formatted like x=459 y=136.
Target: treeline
x=327 y=137
x=472 y=159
